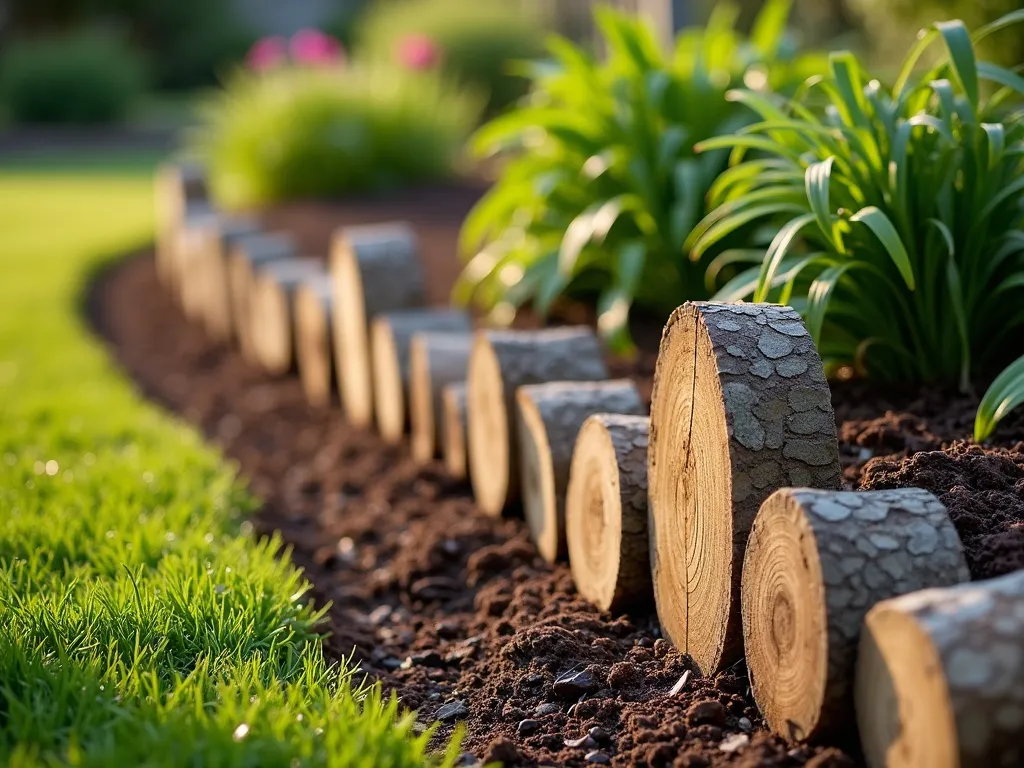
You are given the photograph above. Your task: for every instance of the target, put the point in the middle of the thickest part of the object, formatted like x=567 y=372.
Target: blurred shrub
x=316 y=131
x=604 y=186
x=187 y=41
x=477 y=40
x=86 y=78
x=893 y=24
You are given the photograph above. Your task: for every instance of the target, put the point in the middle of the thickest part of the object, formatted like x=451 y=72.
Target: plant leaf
x=1005 y=394
x=875 y=220
x=961 y=54
x=777 y=251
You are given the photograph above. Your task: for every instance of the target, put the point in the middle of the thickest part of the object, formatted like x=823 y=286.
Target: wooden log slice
x=740 y=407
x=390 y=341
x=313 y=336
x=243 y=260
x=816 y=562
x=376 y=269
x=218 y=314
x=273 y=312
x=199 y=258
x=549 y=419
x=499 y=363
x=453 y=440
x=435 y=361
x=180 y=191
x=940 y=678
x=606 y=513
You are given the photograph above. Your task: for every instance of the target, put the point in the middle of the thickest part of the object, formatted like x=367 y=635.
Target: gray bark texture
x=444 y=357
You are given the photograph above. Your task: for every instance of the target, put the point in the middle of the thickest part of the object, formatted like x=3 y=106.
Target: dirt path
x=455 y=610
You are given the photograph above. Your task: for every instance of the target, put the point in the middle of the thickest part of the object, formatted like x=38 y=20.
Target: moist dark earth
x=454 y=610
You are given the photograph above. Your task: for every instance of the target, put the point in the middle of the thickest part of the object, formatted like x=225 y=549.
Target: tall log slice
x=435 y=361
x=313 y=300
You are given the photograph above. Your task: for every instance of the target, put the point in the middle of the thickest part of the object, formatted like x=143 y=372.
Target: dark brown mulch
x=453 y=609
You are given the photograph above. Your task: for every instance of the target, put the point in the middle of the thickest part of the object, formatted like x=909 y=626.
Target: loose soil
x=454 y=610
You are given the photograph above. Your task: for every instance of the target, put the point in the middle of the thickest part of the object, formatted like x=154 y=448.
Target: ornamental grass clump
x=602 y=187
x=316 y=126
x=899 y=215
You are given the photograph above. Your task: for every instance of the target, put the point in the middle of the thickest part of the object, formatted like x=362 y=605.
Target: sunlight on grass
x=142 y=624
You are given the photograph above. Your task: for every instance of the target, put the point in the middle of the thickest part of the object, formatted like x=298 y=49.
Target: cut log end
x=453 y=441
x=391 y=338
x=313 y=336
x=375 y=270
x=549 y=420
x=606 y=513
x=500 y=362
x=740 y=408
x=816 y=562
x=272 y=323
x=435 y=361
x=940 y=678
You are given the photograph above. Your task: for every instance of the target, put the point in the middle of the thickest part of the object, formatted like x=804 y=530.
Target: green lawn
x=140 y=621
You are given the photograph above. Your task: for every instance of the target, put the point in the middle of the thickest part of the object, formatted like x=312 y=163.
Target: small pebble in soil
x=547 y=708
x=745 y=724
x=379 y=615
x=597 y=758
x=447 y=629
x=734 y=743
x=572 y=685
x=583 y=742
x=453 y=710
x=527 y=727
x=391 y=663
x=429 y=658
x=598 y=734
x=706 y=712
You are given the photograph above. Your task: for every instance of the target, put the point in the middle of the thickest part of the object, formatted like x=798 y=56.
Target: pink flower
x=266 y=54
x=418 y=52
x=311 y=46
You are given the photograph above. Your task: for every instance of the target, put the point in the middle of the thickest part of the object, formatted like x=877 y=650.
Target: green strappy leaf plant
x=602 y=185
x=899 y=213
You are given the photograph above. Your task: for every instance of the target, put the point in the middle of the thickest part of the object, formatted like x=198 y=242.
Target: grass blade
x=1005 y=394
x=881 y=226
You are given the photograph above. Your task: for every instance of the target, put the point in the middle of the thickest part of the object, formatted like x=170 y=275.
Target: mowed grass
x=141 y=623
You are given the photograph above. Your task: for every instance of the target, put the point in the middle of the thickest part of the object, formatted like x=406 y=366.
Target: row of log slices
x=821 y=588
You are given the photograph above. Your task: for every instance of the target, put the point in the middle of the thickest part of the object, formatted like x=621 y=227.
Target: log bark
x=376 y=269
x=940 y=677
x=243 y=260
x=499 y=363
x=549 y=420
x=435 y=361
x=740 y=408
x=390 y=341
x=273 y=311
x=453 y=441
x=816 y=562
x=180 y=192
x=313 y=334
x=606 y=513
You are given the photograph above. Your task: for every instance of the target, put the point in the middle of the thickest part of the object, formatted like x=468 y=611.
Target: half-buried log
x=606 y=513
x=499 y=363
x=940 y=678
x=453 y=440
x=243 y=261
x=390 y=341
x=217 y=311
x=376 y=269
x=273 y=312
x=180 y=193
x=740 y=408
x=313 y=336
x=816 y=562
x=435 y=361
x=549 y=420
x=203 y=239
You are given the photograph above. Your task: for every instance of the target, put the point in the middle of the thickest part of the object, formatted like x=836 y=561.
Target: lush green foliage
x=903 y=211
x=479 y=41
x=322 y=131
x=80 y=79
x=604 y=185
x=142 y=623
